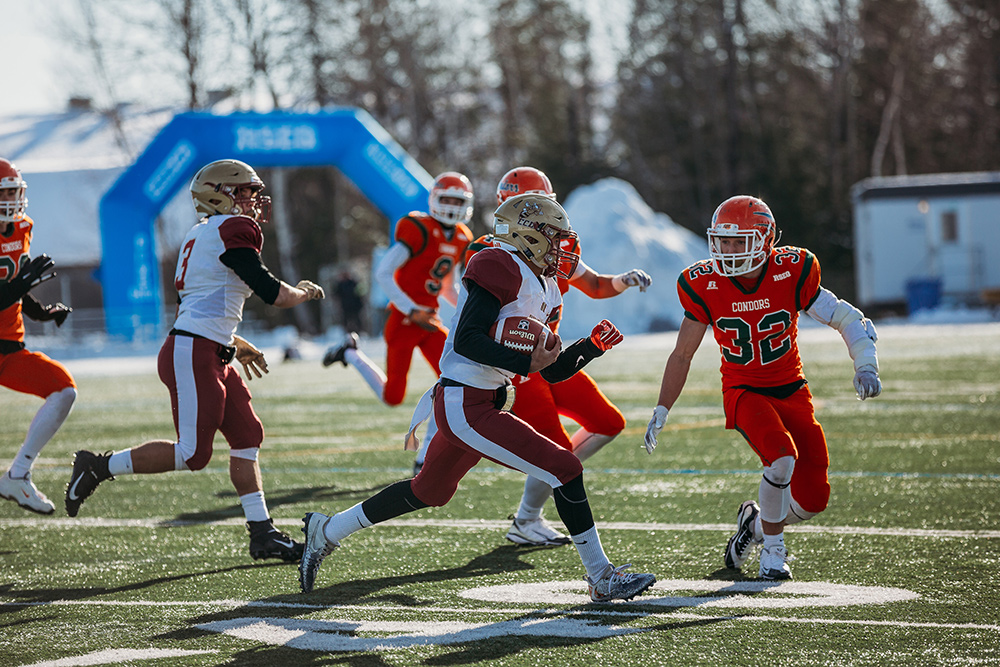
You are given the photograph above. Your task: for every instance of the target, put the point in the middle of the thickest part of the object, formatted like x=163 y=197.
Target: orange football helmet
x=456 y=185
x=14 y=203
x=524 y=180
x=747 y=218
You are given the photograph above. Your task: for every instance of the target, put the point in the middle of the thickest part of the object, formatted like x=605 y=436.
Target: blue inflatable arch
x=349 y=139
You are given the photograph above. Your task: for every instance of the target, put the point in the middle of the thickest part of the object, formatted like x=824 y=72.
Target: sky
x=38 y=79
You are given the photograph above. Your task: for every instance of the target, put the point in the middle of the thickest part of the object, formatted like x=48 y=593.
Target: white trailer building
x=921 y=239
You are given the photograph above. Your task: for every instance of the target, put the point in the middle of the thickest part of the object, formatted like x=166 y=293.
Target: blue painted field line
x=663 y=471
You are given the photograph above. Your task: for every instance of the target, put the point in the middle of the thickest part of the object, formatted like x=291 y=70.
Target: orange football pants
x=540 y=404
x=401 y=339
x=776 y=427
x=33 y=373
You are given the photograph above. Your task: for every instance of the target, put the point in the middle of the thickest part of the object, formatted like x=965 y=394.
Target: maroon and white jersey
x=520 y=292
x=211 y=294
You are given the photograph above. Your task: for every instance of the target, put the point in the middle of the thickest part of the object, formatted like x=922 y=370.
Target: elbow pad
x=856 y=330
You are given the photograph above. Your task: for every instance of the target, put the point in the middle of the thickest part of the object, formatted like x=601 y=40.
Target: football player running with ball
x=219 y=267
x=471 y=401
x=750 y=293
x=417 y=269
x=540 y=403
x=22 y=370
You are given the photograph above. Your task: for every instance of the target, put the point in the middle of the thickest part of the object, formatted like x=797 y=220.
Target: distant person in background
x=218 y=269
x=21 y=370
x=415 y=272
x=349 y=295
x=750 y=293
x=539 y=402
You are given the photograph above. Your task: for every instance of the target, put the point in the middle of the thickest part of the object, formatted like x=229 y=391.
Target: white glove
x=866 y=382
x=312 y=290
x=655 y=426
x=634 y=278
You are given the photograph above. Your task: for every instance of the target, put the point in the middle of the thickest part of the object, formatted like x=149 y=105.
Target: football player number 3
x=742 y=350
x=186 y=253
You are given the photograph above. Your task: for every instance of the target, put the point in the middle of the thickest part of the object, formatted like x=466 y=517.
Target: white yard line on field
x=625 y=612
x=477 y=524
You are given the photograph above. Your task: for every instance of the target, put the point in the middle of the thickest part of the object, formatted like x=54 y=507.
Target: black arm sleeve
x=245 y=262
x=32 y=307
x=9 y=295
x=472 y=333
x=570 y=360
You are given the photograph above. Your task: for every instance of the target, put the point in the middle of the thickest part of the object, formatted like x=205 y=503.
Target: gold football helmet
x=538 y=227
x=230 y=187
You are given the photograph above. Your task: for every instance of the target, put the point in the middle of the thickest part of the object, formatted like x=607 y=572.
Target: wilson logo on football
x=518 y=333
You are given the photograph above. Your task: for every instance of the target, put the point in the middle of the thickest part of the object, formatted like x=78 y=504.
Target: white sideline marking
x=116 y=655
x=478 y=524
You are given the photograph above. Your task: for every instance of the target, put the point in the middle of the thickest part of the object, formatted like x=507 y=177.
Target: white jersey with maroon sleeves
x=211 y=294
x=520 y=292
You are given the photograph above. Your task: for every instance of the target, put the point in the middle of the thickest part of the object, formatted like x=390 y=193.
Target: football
x=519 y=332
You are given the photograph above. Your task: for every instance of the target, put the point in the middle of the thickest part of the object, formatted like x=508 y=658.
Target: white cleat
x=23 y=492
x=317 y=547
x=536 y=533
x=616 y=584
x=774 y=563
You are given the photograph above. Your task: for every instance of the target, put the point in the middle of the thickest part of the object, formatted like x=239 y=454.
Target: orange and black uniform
x=23 y=371
x=765 y=394
x=435 y=249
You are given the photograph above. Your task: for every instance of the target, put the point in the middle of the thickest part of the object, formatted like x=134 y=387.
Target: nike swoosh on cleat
x=71 y=493
x=288 y=544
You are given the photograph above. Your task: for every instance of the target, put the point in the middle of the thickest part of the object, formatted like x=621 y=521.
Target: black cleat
x=266 y=541
x=89 y=470
x=335 y=354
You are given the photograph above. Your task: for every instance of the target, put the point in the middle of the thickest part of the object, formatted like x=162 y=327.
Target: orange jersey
x=756 y=324
x=14 y=253
x=434 y=252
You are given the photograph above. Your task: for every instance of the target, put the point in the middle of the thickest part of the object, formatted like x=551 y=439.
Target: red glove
x=605 y=336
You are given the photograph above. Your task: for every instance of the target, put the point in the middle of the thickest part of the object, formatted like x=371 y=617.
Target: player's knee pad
x=248 y=454
x=779 y=473
x=64 y=398
x=797 y=515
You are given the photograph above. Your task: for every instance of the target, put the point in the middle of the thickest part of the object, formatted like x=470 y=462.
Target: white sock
x=344 y=523
x=254 y=507
x=771 y=541
x=47 y=421
x=588 y=545
x=120 y=463
x=536 y=493
x=371 y=373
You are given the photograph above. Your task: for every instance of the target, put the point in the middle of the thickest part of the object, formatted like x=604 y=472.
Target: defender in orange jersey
x=416 y=270
x=21 y=370
x=750 y=293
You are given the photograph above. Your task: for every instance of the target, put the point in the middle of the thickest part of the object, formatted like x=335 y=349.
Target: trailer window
x=949 y=226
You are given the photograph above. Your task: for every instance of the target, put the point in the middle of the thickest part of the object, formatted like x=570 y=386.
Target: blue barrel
x=923 y=294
